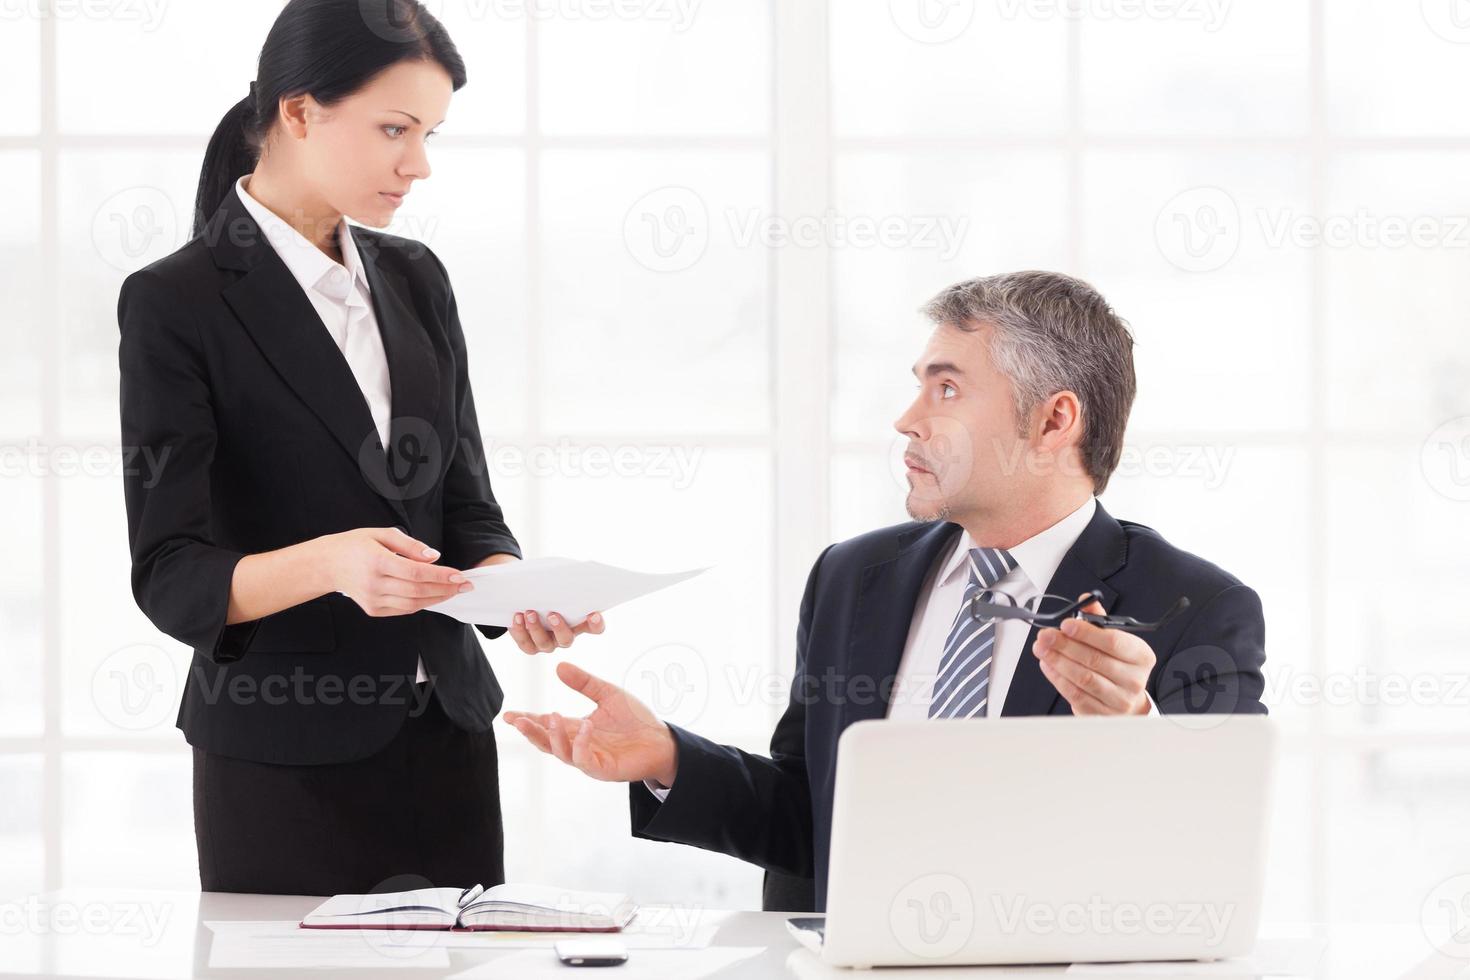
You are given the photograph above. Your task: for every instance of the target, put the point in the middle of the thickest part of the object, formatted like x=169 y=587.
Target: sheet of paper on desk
x=285 y=945
x=654 y=927
x=565 y=586
x=643 y=964
x=1294 y=956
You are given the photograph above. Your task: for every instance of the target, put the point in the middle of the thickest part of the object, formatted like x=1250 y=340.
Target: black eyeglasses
x=1047 y=610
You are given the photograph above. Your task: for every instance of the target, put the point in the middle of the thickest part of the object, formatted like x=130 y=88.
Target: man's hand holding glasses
x=1096 y=661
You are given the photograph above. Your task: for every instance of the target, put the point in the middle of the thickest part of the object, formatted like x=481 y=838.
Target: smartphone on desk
x=591 y=952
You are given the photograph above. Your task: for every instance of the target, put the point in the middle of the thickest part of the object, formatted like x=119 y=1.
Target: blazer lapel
x=1099 y=551
x=413 y=370
x=285 y=326
x=887 y=594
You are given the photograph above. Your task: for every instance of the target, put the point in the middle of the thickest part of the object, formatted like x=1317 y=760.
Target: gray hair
x=1053 y=333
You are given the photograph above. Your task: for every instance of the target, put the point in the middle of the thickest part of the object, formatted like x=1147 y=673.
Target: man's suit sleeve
x=180 y=578
x=1216 y=667
x=474 y=524
x=751 y=807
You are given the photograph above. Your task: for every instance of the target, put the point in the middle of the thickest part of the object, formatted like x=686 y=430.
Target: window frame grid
x=803 y=149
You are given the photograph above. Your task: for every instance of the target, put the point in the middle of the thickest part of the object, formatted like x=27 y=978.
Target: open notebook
x=530 y=908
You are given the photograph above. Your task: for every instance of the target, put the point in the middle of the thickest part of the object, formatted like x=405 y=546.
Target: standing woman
x=322 y=480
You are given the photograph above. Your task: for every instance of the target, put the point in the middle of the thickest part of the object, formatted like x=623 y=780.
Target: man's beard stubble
x=942 y=514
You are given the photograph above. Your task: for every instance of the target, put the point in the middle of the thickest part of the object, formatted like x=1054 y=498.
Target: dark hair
x=328 y=49
x=1054 y=333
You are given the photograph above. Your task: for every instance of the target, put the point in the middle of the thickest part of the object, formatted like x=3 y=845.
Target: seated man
x=1024 y=392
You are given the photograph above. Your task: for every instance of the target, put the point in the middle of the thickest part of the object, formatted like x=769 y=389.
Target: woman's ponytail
x=232 y=152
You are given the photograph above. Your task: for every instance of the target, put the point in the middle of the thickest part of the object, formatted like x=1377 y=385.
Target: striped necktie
x=962 y=686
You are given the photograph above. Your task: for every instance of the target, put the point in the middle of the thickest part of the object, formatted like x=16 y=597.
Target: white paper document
x=645 y=964
x=654 y=927
x=285 y=945
x=566 y=586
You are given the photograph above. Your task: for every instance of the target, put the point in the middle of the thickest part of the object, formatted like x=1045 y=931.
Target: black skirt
x=423 y=811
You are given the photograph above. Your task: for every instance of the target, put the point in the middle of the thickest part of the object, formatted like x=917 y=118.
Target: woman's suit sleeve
x=474 y=525
x=181 y=579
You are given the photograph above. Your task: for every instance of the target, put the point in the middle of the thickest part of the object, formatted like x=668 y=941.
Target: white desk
x=99 y=933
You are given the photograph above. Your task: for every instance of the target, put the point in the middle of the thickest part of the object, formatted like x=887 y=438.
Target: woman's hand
x=532 y=636
x=387 y=572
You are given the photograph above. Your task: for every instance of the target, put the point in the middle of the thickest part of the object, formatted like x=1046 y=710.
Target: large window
x=692 y=238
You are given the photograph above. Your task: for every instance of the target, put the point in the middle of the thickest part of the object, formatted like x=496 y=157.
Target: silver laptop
x=1046 y=840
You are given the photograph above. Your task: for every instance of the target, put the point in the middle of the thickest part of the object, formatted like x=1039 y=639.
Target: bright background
x=598 y=196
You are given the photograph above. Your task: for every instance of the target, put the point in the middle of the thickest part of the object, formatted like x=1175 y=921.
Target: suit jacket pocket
x=304 y=628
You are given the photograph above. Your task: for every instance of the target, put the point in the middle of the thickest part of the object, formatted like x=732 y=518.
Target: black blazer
x=264 y=439
x=854 y=622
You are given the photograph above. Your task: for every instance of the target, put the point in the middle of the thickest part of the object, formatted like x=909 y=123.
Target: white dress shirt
x=340 y=294
x=1036 y=560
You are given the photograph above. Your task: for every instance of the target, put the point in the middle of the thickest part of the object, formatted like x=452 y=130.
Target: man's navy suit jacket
x=860 y=598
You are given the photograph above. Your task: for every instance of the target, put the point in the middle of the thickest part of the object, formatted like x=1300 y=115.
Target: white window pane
x=471 y=212
x=946 y=69
x=20 y=588
x=656 y=309
x=1224 y=502
x=121 y=677
x=157 y=67
x=21 y=332
x=1393 y=66
x=20 y=72
x=1288 y=892
x=955 y=216
x=655 y=68
x=493 y=46
x=1397 y=655
x=1227 y=68
x=128 y=821
x=1397 y=830
x=1396 y=306
x=21 y=846
x=662 y=645
x=120 y=210
x=1186 y=247
x=868 y=490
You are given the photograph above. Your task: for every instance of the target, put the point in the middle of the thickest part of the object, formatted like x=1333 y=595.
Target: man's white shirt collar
x=309 y=265
x=1039 y=555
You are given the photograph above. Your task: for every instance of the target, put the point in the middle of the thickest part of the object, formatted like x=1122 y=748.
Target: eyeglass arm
x=990 y=610
x=1130 y=623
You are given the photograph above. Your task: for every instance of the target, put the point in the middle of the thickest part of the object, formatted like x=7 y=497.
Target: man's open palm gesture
x=620 y=741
